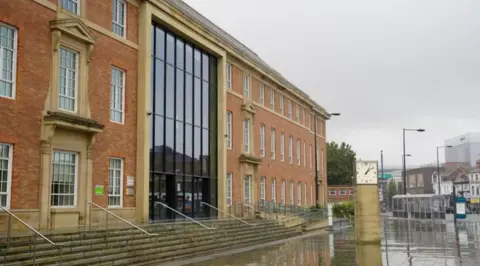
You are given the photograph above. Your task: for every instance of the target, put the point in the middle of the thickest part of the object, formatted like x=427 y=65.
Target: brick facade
x=336 y=193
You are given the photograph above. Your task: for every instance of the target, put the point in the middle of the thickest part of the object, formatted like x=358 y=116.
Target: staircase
x=158 y=243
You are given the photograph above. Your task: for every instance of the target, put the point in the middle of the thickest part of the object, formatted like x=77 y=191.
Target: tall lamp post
x=404 y=172
x=438 y=167
x=315 y=129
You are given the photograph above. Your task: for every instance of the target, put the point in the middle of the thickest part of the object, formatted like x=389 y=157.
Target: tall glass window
x=262 y=140
x=274 y=190
x=183 y=152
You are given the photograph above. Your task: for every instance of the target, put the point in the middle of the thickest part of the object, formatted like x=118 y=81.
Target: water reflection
x=416 y=243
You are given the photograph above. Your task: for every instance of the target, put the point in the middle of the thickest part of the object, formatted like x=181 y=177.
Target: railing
x=9 y=233
x=279 y=208
x=118 y=217
x=236 y=218
x=266 y=215
x=183 y=215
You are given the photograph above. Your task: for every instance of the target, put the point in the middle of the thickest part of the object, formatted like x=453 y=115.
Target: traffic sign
x=385 y=176
x=460 y=208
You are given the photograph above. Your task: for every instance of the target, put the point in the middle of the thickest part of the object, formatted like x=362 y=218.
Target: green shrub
x=343 y=210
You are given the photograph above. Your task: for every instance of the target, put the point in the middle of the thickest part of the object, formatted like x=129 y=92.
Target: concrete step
x=162 y=248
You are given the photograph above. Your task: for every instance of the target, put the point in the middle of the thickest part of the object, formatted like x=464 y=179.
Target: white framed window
x=246 y=85
x=274 y=190
x=67 y=94
x=8 y=60
x=290 y=109
x=303 y=116
x=305 y=194
x=64 y=179
x=309 y=122
x=322 y=155
x=6 y=156
x=332 y=192
x=291 y=193
x=298 y=152
x=247 y=189
x=350 y=192
x=228 y=79
x=316 y=126
x=281 y=105
x=299 y=194
x=290 y=149
x=272 y=99
x=262 y=94
x=321 y=127
x=228 y=137
x=282 y=146
x=282 y=193
x=262 y=188
x=311 y=195
x=73 y=6
x=119 y=17
x=246 y=135
x=342 y=192
x=272 y=144
x=229 y=188
x=115 y=183
x=262 y=140
x=117 y=95
x=297 y=113
x=310 y=156
x=304 y=154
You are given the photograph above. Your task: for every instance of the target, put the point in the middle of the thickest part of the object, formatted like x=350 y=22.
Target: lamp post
x=316 y=155
x=438 y=167
x=404 y=172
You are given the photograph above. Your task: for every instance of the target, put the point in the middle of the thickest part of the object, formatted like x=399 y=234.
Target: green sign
x=385 y=176
x=99 y=190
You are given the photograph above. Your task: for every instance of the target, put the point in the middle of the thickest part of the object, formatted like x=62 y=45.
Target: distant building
x=465 y=149
x=340 y=193
x=419 y=180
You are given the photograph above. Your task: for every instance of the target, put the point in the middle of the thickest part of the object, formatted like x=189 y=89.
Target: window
x=119 y=12
x=281 y=105
x=332 y=192
x=117 y=95
x=342 y=192
x=262 y=94
x=299 y=194
x=272 y=99
x=274 y=190
x=72 y=6
x=229 y=130
x=272 y=144
x=309 y=122
x=298 y=152
x=290 y=109
x=304 y=154
x=8 y=60
x=5 y=174
x=246 y=193
x=297 y=113
x=64 y=179
x=246 y=135
x=350 y=192
x=262 y=188
x=290 y=149
x=311 y=195
x=321 y=161
x=321 y=128
x=303 y=116
x=305 y=194
x=262 y=140
x=282 y=146
x=68 y=80
x=310 y=156
x=228 y=80
x=282 y=193
x=115 y=182
x=291 y=193
x=246 y=86
x=229 y=189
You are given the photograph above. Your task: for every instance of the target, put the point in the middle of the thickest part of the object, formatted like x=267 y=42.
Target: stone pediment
x=74 y=28
x=72 y=122
x=248 y=107
x=248 y=158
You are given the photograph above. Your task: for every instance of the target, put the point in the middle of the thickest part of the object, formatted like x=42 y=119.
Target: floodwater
x=412 y=243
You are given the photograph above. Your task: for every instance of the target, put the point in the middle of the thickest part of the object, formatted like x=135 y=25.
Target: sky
x=383 y=64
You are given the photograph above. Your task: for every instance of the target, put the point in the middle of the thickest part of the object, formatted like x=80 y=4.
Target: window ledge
x=248 y=158
x=72 y=122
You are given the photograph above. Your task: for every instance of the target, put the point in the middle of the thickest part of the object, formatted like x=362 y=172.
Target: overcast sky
x=385 y=65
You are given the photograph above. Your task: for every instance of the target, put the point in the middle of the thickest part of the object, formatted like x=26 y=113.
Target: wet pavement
x=416 y=243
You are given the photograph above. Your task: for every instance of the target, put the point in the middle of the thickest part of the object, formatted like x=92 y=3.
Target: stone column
x=44 y=205
x=89 y=186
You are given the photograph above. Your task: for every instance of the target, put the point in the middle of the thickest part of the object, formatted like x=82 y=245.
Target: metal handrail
x=191 y=219
x=118 y=217
x=292 y=216
x=264 y=213
x=245 y=222
x=29 y=227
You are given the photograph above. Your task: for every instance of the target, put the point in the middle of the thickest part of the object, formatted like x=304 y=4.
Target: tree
x=340 y=163
x=391 y=190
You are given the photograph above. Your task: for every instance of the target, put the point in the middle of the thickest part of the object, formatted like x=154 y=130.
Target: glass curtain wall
x=183 y=146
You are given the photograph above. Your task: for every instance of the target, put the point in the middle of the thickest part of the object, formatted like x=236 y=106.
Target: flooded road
x=416 y=243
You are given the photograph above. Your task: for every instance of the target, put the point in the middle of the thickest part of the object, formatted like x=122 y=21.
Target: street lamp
x=404 y=166
x=438 y=166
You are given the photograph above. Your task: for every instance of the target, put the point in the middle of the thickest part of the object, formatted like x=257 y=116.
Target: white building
x=465 y=148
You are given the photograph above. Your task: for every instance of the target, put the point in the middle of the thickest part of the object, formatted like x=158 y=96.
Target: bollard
x=330 y=217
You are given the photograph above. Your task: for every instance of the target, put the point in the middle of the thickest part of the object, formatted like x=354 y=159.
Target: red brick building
x=84 y=115
x=340 y=193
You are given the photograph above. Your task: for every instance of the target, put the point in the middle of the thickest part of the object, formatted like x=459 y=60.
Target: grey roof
x=240 y=48
x=475 y=170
